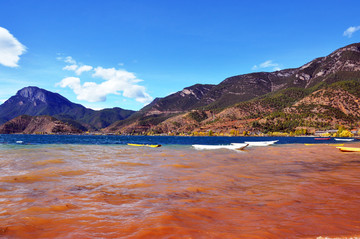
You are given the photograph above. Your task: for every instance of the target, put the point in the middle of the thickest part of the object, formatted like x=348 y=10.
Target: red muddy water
x=87 y=191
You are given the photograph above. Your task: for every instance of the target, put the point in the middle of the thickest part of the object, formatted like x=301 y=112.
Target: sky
x=125 y=53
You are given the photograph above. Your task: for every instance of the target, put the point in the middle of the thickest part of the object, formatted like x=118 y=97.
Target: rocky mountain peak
x=345 y=59
x=32 y=93
x=353 y=47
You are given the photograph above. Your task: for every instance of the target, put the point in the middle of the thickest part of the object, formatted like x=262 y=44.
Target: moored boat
x=146 y=145
x=322 y=138
x=239 y=146
x=324 y=144
x=260 y=143
x=341 y=139
x=348 y=149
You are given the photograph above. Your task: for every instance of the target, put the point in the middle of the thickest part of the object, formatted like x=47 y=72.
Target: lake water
x=163 y=140
x=98 y=187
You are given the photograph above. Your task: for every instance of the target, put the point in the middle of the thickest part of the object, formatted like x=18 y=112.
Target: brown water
x=77 y=191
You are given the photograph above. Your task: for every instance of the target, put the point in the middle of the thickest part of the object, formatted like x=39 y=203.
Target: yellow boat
x=325 y=144
x=146 y=145
x=348 y=149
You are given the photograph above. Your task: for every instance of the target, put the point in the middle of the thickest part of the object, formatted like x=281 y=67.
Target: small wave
x=49 y=161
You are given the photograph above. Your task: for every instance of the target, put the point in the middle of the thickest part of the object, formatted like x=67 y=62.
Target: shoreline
x=30 y=139
x=169 y=135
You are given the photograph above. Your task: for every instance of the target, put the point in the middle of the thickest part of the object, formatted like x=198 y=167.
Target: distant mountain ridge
x=327 y=69
x=34 y=101
x=341 y=65
x=180 y=101
x=320 y=94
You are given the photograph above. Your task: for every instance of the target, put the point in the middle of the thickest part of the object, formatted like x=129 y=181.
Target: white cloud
x=137 y=92
x=78 y=69
x=72 y=82
x=70 y=67
x=351 y=31
x=82 y=69
x=89 y=91
x=70 y=60
x=122 y=80
x=112 y=74
x=267 y=64
x=10 y=49
x=115 y=81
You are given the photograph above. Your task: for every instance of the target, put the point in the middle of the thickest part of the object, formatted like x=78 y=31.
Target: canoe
x=340 y=139
x=146 y=145
x=348 y=149
x=322 y=138
x=325 y=144
x=233 y=147
x=259 y=143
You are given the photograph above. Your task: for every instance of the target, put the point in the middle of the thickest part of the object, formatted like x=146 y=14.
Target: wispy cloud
x=77 y=68
x=70 y=67
x=115 y=81
x=70 y=60
x=267 y=64
x=350 y=31
x=10 y=49
x=82 y=69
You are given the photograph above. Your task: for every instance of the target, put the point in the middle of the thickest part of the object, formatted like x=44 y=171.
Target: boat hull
x=257 y=143
x=348 y=149
x=232 y=147
x=324 y=144
x=146 y=145
x=346 y=140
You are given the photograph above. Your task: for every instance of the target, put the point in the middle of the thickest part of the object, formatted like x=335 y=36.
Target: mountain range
x=321 y=94
x=241 y=102
x=34 y=101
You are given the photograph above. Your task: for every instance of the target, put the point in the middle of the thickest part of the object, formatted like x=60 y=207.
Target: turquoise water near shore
x=106 y=189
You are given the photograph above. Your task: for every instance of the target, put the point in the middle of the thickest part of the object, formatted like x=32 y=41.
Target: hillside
x=37 y=124
x=247 y=98
x=285 y=111
x=180 y=101
x=160 y=109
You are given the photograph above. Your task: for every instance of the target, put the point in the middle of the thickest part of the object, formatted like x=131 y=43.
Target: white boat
x=239 y=146
x=340 y=139
x=258 y=143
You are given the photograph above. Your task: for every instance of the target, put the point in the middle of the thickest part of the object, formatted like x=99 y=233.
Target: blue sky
x=124 y=53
